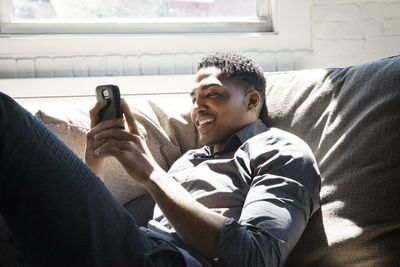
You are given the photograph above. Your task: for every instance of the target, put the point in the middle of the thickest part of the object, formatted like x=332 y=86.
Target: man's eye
x=212 y=94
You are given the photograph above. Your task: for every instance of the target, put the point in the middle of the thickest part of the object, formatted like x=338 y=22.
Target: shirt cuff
x=237 y=246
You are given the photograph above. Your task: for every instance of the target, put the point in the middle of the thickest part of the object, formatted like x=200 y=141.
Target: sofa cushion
x=350 y=118
x=166 y=128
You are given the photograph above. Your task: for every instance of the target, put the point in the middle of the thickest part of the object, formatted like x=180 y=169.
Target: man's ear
x=253 y=99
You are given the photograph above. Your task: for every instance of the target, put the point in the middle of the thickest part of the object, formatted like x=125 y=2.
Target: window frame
x=262 y=24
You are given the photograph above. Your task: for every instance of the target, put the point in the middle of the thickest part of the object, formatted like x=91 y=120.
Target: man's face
x=220 y=107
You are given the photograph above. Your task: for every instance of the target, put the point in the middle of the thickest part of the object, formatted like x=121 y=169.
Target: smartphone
x=113 y=108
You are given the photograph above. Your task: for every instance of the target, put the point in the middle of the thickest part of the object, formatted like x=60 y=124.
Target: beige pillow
x=350 y=117
x=164 y=122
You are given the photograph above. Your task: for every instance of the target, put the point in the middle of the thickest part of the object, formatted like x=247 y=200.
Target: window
x=134 y=16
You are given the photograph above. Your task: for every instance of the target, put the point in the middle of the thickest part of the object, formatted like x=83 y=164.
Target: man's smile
x=204 y=122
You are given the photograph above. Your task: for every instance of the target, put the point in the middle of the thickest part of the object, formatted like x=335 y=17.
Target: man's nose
x=199 y=104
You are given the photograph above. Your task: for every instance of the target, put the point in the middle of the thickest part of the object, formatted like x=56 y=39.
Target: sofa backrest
x=350 y=118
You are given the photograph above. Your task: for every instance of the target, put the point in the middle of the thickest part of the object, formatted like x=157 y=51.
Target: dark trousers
x=58 y=210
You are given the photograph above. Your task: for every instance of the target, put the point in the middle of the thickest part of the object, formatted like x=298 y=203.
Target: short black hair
x=237 y=66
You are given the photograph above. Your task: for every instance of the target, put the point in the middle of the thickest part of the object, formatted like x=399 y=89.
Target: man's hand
x=128 y=147
x=95 y=162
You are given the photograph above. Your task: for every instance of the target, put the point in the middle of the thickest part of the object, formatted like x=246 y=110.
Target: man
x=244 y=199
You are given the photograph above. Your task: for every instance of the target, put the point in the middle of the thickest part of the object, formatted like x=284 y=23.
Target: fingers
x=94 y=112
x=94 y=144
x=104 y=125
x=117 y=134
x=115 y=148
x=112 y=136
x=130 y=119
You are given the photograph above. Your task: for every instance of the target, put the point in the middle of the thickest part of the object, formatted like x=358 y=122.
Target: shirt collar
x=236 y=140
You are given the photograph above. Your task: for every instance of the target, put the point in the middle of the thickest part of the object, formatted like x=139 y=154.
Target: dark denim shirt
x=266 y=182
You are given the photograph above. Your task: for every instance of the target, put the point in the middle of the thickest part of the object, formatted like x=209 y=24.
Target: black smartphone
x=113 y=108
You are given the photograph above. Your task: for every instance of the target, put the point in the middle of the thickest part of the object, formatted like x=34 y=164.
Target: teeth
x=205 y=121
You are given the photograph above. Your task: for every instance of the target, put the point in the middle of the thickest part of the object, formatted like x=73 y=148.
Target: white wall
x=308 y=34
x=348 y=32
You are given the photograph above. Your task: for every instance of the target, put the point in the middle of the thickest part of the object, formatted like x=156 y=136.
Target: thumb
x=130 y=119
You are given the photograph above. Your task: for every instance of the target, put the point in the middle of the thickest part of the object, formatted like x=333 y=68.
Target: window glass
x=132 y=9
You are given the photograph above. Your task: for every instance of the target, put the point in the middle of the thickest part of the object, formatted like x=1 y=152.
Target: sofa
x=350 y=118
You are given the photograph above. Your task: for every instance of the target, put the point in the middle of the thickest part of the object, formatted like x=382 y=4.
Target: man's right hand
x=94 y=161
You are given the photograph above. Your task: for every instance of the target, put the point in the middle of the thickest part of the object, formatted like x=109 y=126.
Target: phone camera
x=105 y=94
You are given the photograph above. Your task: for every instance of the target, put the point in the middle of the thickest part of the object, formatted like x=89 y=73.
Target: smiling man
x=243 y=199
x=262 y=182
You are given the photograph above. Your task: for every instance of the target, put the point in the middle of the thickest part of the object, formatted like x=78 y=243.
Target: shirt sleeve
x=283 y=195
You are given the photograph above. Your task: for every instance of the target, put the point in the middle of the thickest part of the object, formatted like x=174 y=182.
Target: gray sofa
x=350 y=118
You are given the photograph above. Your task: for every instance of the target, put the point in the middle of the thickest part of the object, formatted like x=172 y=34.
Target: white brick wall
x=349 y=32
x=343 y=32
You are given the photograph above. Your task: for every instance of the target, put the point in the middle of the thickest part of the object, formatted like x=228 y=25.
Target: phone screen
x=113 y=108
